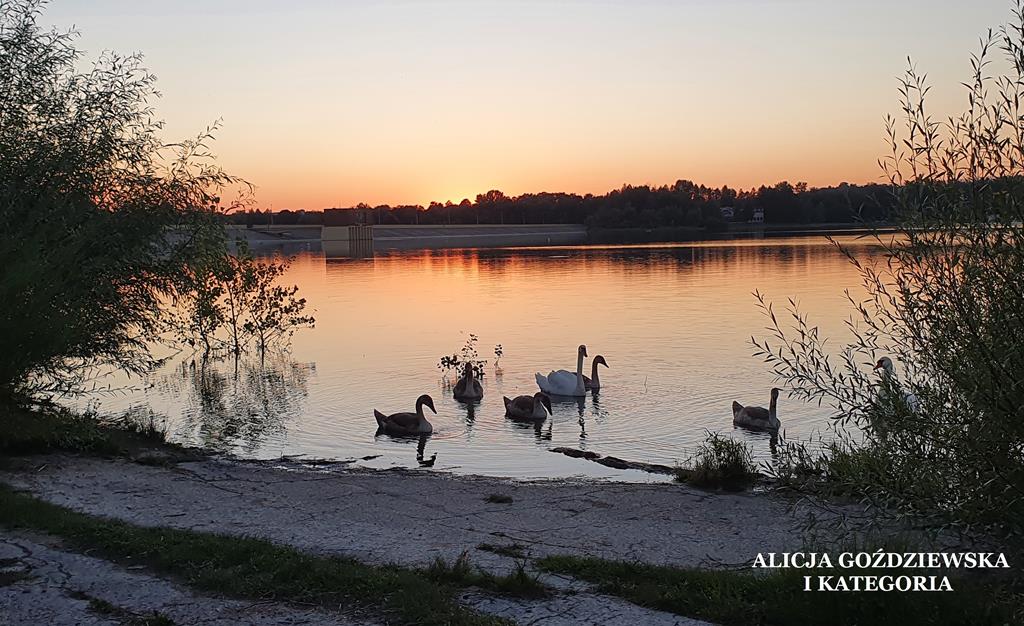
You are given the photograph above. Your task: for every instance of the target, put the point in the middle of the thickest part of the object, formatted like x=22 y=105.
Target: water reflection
x=676 y=322
x=541 y=429
x=237 y=402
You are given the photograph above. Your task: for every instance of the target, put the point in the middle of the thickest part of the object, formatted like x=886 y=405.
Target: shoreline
x=338 y=242
x=394 y=518
x=585 y=516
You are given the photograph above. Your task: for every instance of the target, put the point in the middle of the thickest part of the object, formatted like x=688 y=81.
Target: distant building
x=758 y=216
x=728 y=213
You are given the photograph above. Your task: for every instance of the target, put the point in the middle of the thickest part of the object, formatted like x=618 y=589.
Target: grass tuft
x=25 y=431
x=519 y=582
x=720 y=463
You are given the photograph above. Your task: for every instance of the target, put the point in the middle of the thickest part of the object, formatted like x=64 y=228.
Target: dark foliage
x=98 y=218
x=683 y=204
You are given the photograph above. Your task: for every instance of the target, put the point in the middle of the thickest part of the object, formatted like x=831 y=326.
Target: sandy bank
x=411 y=517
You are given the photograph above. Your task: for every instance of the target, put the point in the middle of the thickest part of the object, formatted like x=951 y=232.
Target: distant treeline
x=680 y=205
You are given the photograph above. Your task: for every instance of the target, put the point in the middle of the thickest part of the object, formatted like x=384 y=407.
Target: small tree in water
x=942 y=437
x=99 y=219
x=234 y=303
x=261 y=309
x=102 y=224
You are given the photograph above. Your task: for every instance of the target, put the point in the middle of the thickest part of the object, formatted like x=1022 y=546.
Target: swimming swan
x=756 y=417
x=468 y=389
x=407 y=423
x=593 y=382
x=564 y=383
x=528 y=407
x=889 y=374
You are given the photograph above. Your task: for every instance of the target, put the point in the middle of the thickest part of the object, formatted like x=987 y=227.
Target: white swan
x=889 y=374
x=565 y=383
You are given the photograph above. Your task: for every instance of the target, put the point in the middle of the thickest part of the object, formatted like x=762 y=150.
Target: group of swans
x=565 y=383
x=468 y=389
x=556 y=383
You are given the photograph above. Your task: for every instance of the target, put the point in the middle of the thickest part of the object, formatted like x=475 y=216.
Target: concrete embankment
x=359 y=240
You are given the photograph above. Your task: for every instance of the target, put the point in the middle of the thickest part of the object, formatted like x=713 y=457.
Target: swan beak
x=430 y=403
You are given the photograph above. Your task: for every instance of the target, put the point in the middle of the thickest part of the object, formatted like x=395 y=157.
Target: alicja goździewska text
x=879 y=570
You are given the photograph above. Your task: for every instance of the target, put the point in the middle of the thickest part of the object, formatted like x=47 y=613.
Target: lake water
x=673 y=322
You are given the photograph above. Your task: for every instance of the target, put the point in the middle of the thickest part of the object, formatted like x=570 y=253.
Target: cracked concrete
x=56 y=587
x=412 y=517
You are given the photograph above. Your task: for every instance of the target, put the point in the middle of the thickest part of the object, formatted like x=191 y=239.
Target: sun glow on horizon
x=334 y=104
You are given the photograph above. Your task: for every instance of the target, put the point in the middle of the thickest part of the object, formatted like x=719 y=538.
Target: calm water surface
x=674 y=323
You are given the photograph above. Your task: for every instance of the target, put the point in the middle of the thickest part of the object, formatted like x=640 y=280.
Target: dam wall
x=362 y=240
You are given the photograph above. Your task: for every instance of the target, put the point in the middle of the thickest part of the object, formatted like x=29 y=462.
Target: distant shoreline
x=687 y=234
x=334 y=240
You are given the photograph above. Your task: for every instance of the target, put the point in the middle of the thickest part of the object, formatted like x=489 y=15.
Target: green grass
x=720 y=463
x=248 y=568
x=25 y=431
x=518 y=583
x=742 y=598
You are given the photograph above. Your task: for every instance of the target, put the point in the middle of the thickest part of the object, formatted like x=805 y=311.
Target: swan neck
x=594 y=380
x=579 y=371
x=772 y=411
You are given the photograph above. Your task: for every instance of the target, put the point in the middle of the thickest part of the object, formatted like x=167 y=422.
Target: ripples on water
x=673 y=322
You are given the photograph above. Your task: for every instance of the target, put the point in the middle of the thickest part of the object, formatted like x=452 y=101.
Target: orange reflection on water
x=673 y=322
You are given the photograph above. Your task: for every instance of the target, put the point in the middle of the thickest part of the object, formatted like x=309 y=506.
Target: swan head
x=599 y=360
x=884 y=364
x=469 y=371
x=583 y=350
x=545 y=400
x=775 y=393
x=427 y=401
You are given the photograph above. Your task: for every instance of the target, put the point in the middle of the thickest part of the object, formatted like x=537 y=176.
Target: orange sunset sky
x=333 y=103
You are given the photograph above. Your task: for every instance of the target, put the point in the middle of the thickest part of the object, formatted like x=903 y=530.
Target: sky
x=330 y=103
